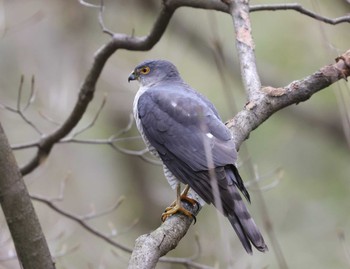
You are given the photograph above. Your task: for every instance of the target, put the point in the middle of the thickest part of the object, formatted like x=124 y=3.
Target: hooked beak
x=132 y=76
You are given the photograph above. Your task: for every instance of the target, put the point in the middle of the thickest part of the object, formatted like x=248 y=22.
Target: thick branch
x=28 y=238
x=239 y=10
x=150 y=247
x=274 y=99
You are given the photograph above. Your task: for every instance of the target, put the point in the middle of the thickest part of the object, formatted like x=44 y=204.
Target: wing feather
x=179 y=122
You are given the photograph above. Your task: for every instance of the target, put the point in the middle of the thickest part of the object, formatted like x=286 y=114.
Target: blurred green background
x=300 y=153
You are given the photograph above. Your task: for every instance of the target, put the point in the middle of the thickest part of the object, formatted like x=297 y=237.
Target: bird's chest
x=169 y=176
x=139 y=124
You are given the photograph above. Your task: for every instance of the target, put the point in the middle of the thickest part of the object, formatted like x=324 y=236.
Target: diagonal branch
x=274 y=99
x=81 y=221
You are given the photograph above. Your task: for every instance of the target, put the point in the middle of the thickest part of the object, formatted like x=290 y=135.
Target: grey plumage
x=177 y=124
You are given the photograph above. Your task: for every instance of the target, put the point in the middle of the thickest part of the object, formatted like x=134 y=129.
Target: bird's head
x=153 y=72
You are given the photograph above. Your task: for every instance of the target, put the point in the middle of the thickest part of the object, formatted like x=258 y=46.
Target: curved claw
x=171 y=210
x=177 y=207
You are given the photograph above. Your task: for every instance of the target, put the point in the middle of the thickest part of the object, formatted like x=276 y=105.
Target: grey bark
x=31 y=247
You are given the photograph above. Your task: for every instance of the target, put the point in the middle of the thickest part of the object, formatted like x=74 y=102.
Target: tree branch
x=81 y=221
x=299 y=8
x=239 y=10
x=150 y=247
x=274 y=99
x=28 y=238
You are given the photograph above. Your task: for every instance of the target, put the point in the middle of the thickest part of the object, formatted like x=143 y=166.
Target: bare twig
x=49 y=119
x=82 y=2
x=18 y=110
x=63 y=185
x=101 y=21
x=299 y=8
x=26 y=145
x=65 y=250
x=32 y=95
x=276 y=175
x=268 y=225
x=188 y=262
x=92 y=123
x=112 y=208
x=342 y=240
x=81 y=222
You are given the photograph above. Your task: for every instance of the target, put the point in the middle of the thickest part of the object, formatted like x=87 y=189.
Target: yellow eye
x=145 y=70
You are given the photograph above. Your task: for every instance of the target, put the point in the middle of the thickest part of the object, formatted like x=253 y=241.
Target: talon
x=188 y=199
x=177 y=207
x=171 y=210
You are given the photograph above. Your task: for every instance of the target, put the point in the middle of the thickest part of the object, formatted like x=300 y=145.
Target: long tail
x=239 y=216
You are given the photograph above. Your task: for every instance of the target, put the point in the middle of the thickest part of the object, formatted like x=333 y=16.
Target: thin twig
x=32 y=95
x=65 y=250
x=299 y=8
x=63 y=185
x=101 y=21
x=82 y=2
x=185 y=261
x=26 y=145
x=81 y=222
x=112 y=208
x=277 y=175
x=268 y=223
x=93 y=121
x=19 y=97
x=18 y=110
x=49 y=119
x=342 y=240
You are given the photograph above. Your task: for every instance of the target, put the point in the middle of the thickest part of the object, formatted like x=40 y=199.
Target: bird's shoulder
x=177 y=106
x=177 y=100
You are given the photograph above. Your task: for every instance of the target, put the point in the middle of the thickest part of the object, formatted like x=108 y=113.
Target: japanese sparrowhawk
x=182 y=128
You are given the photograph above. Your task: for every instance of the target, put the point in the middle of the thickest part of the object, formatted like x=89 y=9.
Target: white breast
x=138 y=122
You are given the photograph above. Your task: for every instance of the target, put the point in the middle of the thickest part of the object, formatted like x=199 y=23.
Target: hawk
x=183 y=129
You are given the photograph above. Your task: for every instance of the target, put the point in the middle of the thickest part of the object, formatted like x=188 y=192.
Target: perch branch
x=274 y=99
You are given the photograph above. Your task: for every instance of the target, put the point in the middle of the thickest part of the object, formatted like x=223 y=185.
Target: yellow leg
x=184 y=196
x=176 y=205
